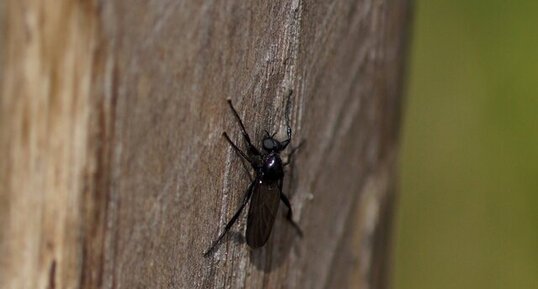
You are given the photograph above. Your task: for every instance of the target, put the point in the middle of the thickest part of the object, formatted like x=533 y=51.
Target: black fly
x=265 y=191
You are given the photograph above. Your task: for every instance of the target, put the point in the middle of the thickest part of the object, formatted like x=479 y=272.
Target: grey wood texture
x=115 y=173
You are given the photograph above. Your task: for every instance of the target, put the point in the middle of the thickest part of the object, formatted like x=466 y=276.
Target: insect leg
x=237 y=150
x=293 y=150
x=247 y=196
x=289 y=216
x=251 y=147
x=288 y=127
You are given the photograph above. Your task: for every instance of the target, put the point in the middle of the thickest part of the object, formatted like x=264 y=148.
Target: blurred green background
x=468 y=209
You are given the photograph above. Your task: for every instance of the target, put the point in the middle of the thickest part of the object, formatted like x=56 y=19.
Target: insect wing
x=262 y=213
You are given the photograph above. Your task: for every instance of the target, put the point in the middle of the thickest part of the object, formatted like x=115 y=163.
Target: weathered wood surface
x=114 y=171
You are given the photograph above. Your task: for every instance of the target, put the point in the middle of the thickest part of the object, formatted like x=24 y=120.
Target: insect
x=265 y=191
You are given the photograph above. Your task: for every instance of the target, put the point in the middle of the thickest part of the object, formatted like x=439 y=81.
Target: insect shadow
x=264 y=191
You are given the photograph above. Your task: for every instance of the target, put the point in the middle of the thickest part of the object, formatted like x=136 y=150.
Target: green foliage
x=468 y=214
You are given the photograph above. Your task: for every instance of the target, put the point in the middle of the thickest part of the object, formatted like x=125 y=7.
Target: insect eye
x=269 y=144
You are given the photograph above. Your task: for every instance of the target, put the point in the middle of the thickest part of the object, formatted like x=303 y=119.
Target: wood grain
x=45 y=131
x=117 y=175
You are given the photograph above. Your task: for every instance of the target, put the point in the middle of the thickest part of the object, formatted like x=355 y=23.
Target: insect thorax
x=272 y=168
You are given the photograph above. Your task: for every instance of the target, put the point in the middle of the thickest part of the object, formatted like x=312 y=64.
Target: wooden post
x=114 y=172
